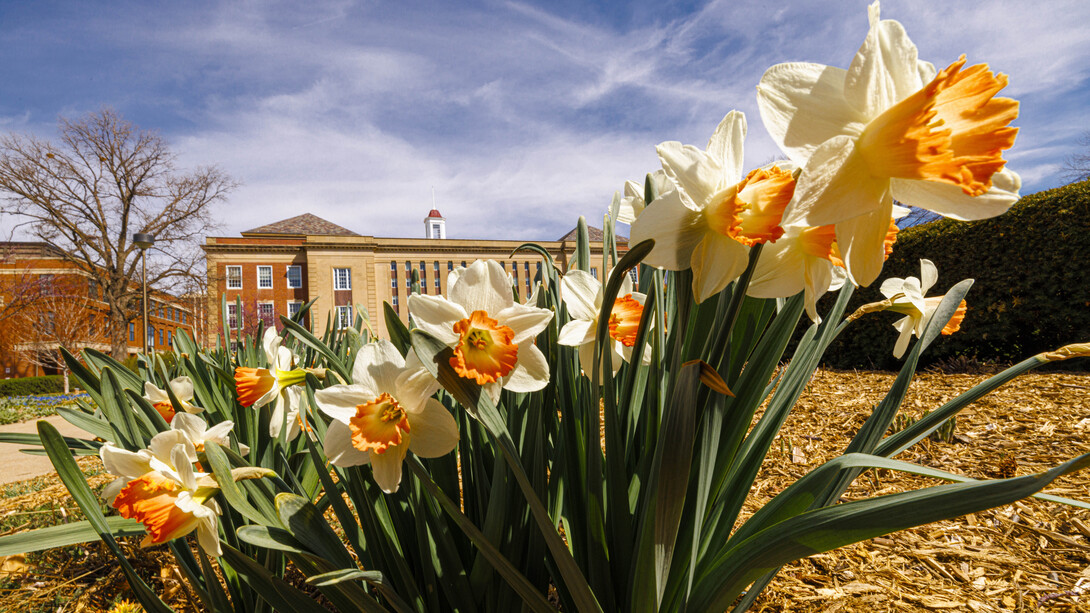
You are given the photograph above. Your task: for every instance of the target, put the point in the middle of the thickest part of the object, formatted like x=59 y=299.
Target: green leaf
x=306 y=524
x=272 y=589
x=90 y=424
x=65 y=534
x=300 y=332
x=269 y=537
x=399 y=334
x=76 y=445
x=347 y=574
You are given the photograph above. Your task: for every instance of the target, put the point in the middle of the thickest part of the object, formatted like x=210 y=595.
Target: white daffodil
x=257 y=387
x=582 y=294
x=715 y=214
x=888 y=128
x=198 y=432
x=183 y=391
x=156 y=457
x=907 y=296
x=386 y=412
x=633 y=202
x=286 y=411
x=172 y=502
x=492 y=335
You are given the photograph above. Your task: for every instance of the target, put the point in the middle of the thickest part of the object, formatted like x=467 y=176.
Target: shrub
x=49 y=384
x=1032 y=291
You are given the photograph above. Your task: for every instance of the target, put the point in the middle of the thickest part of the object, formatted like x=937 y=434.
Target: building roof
x=435 y=213
x=594 y=234
x=301 y=225
x=27 y=249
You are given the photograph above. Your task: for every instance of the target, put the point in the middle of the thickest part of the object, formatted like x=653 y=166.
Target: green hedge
x=49 y=384
x=1032 y=289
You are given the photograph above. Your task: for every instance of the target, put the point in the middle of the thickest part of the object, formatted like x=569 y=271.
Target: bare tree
x=101 y=181
x=62 y=315
x=1077 y=165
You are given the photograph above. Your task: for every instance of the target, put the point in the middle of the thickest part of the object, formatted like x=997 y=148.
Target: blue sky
x=520 y=115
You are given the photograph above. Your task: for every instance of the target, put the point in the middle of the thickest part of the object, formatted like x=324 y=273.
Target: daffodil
x=715 y=214
x=582 y=294
x=890 y=127
x=183 y=391
x=172 y=503
x=907 y=296
x=257 y=387
x=198 y=432
x=633 y=202
x=492 y=335
x=384 y=413
x=158 y=456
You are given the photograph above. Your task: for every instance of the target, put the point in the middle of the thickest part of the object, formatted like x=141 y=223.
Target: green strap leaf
x=272 y=589
x=65 y=534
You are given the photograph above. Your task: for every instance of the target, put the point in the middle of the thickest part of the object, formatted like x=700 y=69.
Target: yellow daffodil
x=183 y=391
x=715 y=214
x=890 y=127
x=386 y=412
x=582 y=294
x=492 y=335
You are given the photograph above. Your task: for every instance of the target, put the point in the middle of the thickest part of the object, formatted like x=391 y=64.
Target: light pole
x=143 y=241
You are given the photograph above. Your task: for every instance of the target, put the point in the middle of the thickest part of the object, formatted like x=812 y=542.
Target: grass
x=15 y=409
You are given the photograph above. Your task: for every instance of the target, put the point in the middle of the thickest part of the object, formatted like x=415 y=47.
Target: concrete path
x=18 y=466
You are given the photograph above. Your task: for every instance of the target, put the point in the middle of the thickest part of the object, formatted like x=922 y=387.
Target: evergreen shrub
x=24 y=386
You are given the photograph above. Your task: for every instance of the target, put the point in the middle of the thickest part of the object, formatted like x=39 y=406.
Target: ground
x=1032 y=555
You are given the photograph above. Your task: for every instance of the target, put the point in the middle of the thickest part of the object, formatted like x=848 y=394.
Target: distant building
x=33 y=276
x=276 y=268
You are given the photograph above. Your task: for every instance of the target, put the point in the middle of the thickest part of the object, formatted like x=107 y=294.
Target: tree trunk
x=119 y=334
x=66 y=389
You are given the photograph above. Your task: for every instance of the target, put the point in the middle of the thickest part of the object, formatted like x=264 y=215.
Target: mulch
x=1032 y=555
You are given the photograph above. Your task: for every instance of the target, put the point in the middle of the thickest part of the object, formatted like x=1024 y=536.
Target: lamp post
x=143 y=241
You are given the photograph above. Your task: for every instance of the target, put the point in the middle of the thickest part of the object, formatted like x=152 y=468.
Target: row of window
x=164 y=335
x=266 y=311
x=293 y=276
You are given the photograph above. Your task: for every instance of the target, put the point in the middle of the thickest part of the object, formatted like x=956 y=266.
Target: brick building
x=276 y=268
x=43 y=294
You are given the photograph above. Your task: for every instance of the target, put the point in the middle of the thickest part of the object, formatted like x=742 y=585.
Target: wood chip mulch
x=1029 y=556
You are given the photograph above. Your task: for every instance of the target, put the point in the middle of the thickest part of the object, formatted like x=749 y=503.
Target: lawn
x=14 y=409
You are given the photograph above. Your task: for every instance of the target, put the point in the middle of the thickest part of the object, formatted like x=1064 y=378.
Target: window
x=295 y=277
x=92 y=289
x=342 y=278
x=183 y=317
x=463 y=263
x=436 y=231
x=265 y=312
x=344 y=316
x=526 y=270
x=234 y=277
x=634 y=275
x=160 y=336
x=594 y=271
x=160 y=311
x=132 y=331
x=423 y=277
x=170 y=339
x=436 y=269
x=293 y=308
x=264 y=277
x=408 y=276
x=450 y=266
x=395 y=305
x=232 y=316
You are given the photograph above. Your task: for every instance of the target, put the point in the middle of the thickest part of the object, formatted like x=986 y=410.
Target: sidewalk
x=18 y=466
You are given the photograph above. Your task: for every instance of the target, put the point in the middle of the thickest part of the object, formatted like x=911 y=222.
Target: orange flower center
x=252 y=384
x=954 y=130
x=484 y=351
x=149 y=499
x=750 y=212
x=820 y=242
x=891 y=237
x=624 y=320
x=165 y=409
x=954 y=324
x=379 y=424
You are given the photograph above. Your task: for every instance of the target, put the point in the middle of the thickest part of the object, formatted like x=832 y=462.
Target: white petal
x=586 y=358
x=675 y=228
x=415 y=384
x=905 y=327
x=576 y=332
x=803 y=105
x=113 y=488
x=271 y=342
x=726 y=146
x=949 y=201
x=716 y=262
x=862 y=241
x=153 y=394
x=484 y=286
x=219 y=433
x=194 y=427
x=525 y=321
x=819 y=276
x=208 y=535
x=530 y=373
x=124 y=463
x=928 y=275
x=338 y=446
x=180 y=459
x=780 y=270
x=182 y=388
x=836 y=185
x=387 y=467
x=340 y=401
x=162 y=446
x=283 y=358
x=884 y=71
x=493 y=390
x=377 y=366
x=582 y=294
x=436 y=316
x=434 y=431
x=698 y=176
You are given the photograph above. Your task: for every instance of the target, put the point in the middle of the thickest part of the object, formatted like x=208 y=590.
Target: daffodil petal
x=434 y=431
x=436 y=316
x=377 y=366
x=340 y=401
x=530 y=373
x=819 y=276
x=271 y=343
x=484 y=286
x=862 y=241
x=837 y=185
x=780 y=270
x=415 y=384
x=802 y=105
x=697 y=175
x=162 y=445
x=950 y=201
x=525 y=321
x=387 y=467
x=676 y=229
x=904 y=326
x=124 y=463
x=884 y=70
x=717 y=261
x=182 y=388
x=576 y=332
x=726 y=146
x=928 y=275
x=338 y=446
x=581 y=293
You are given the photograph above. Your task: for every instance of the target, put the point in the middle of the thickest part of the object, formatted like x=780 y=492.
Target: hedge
x=1032 y=289
x=49 y=384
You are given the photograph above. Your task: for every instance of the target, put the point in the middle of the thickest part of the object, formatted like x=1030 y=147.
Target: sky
x=515 y=117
